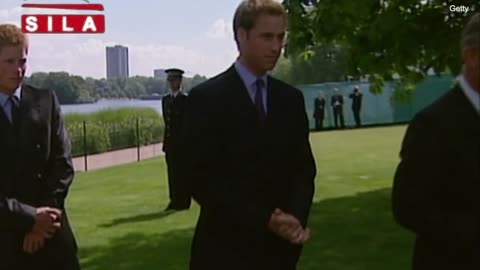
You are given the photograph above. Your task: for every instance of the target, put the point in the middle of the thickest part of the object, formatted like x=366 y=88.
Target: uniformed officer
x=173 y=106
x=356 y=97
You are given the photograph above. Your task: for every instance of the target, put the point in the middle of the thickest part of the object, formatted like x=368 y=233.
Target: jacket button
x=38 y=146
x=39 y=176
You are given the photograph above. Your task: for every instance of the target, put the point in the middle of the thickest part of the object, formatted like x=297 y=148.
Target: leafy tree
x=382 y=39
x=76 y=89
x=325 y=64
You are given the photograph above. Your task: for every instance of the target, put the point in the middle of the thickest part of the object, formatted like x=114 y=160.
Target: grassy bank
x=117 y=212
x=113 y=129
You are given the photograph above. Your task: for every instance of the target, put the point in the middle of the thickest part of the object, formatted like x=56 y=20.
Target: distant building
x=117 y=62
x=159 y=74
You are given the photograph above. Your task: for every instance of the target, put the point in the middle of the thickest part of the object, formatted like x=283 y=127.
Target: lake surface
x=112 y=104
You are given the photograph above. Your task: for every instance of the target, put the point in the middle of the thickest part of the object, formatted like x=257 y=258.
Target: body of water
x=112 y=104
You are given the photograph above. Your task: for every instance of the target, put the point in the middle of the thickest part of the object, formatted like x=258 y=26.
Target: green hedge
x=114 y=129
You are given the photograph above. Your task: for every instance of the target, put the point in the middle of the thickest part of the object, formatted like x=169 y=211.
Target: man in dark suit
x=356 y=97
x=248 y=154
x=337 y=104
x=35 y=166
x=173 y=107
x=319 y=111
x=437 y=183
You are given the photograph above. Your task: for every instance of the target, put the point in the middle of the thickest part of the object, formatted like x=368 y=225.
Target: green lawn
x=116 y=212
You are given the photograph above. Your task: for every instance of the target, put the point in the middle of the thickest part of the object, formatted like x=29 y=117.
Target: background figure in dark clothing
x=337 y=105
x=356 y=97
x=319 y=111
x=173 y=106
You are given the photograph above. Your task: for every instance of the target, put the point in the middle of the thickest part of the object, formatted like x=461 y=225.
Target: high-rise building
x=117 y=62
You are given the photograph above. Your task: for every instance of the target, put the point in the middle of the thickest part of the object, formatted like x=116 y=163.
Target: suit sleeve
x=414 y=201
x=303 y=187
x=16 y=215
x=165 y=119
x=60 y=172
x=212 y=184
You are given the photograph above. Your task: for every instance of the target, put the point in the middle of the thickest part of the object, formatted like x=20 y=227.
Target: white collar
x=176 y=93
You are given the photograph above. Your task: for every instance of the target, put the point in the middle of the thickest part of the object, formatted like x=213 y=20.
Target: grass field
x=116 y=212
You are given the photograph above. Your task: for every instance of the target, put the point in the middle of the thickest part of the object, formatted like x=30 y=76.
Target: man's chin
x=11 y=87
x=270 y=67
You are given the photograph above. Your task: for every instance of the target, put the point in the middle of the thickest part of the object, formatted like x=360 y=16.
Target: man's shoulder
x=287 y=89
x=212 y=86
x=37 y=92
x=442 y=108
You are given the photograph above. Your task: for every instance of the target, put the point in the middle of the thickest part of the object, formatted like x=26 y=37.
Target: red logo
x=64 y=23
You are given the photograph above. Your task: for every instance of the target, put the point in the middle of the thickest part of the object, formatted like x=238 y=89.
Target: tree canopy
x=382 y=39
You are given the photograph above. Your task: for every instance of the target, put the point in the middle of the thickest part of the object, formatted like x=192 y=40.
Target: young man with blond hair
x=35 y=166
x=248 y=156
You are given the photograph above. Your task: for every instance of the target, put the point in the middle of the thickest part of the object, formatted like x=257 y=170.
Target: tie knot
x=260 y=84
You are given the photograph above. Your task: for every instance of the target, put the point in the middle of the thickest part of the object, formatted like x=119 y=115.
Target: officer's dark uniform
x=356 y=97
x=173 y=106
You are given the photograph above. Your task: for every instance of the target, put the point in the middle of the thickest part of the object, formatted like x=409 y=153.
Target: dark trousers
x=318 y=123
x=356 y=116
x=57 y=254
x=338 y=114
x=49 y=261
x=178 y=191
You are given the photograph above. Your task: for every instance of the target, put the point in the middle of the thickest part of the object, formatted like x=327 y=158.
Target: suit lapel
x=468 y=120
x=468 y=115
x=4 y=116
x=240 y=95
x=272 y=100
x=29 y=115
x=244 y=101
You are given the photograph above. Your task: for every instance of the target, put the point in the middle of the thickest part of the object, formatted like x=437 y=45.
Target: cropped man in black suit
x=437 y=183
x=35 y=167
x=248 y=154
x=173 y=107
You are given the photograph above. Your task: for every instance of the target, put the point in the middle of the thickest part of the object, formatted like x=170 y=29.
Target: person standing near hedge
x=36 y=168
x=173 y=106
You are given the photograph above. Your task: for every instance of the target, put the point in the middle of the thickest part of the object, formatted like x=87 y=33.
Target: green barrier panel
x=376 y=109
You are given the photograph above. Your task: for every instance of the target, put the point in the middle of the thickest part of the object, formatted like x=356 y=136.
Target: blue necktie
x=14 y=109
x=260 y=85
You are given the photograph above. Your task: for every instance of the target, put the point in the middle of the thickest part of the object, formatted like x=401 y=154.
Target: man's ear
x=242 y=34
x=471 y=57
